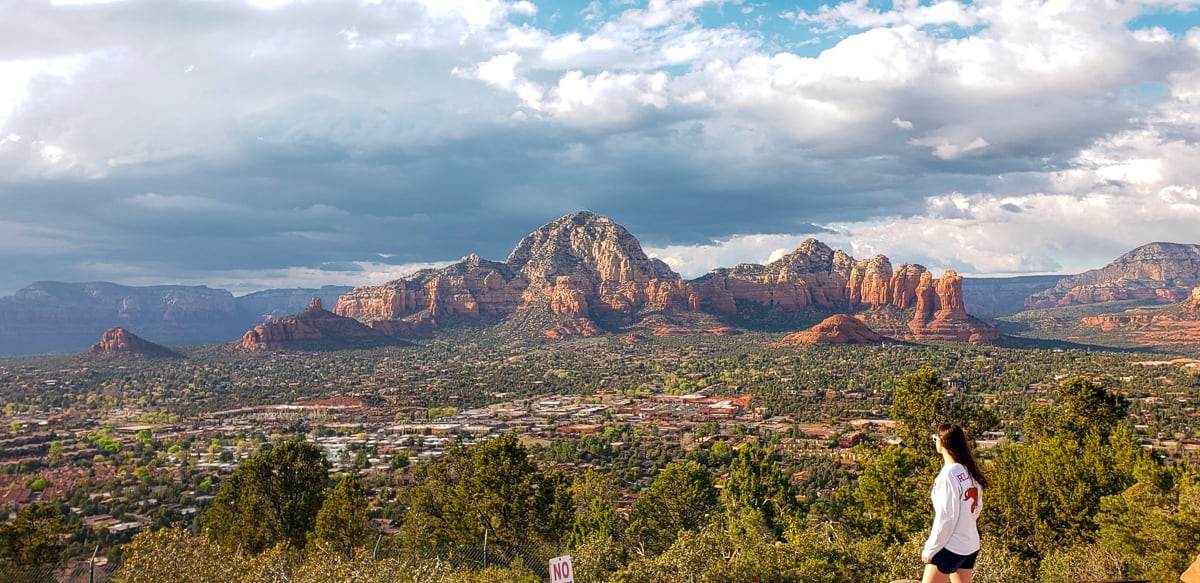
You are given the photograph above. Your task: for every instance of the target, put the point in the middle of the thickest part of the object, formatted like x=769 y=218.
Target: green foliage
x=1045 y=494
x=1154 y=524
x=272 y=497
x=919 y=406
x=756 y=482
x=342 y=522
x=891 y=498
x=492 y=486
x=682 y=497
x=1083 y=406
x=169 y=553
x=32 y=538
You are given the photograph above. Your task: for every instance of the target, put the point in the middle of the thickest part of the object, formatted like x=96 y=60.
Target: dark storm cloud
x=178 y=138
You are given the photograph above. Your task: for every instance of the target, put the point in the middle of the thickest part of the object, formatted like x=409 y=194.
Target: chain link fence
x=74 y=572
x=531 y=555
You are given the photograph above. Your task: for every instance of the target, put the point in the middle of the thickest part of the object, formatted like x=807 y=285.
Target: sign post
x=561 y=571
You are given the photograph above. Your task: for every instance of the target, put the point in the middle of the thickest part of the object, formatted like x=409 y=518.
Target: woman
x=953 y=544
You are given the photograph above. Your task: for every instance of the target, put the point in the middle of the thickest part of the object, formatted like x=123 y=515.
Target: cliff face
x=314 y=328
x=583 y=274
x=586 y=270
x=837 y=329
x=68 y=317
x=1174 y=325
x=1166 y=272
x=995 y=297
x=814 y=279
x=121 y=342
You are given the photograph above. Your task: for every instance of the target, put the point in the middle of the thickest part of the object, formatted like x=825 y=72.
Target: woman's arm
x=945 y=516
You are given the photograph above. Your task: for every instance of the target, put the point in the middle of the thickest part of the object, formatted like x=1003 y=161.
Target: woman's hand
x=926 y=560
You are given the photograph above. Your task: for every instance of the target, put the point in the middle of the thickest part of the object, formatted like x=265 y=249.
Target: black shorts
x=948 y=562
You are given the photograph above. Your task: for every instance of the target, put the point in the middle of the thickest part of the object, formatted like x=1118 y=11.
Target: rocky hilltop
x=583 y=273
x=814 y=280
x=49 y=317
x=836 y=329
x=121 y=342
x=1164 y=272
x=312 y=329
x=1178 y=324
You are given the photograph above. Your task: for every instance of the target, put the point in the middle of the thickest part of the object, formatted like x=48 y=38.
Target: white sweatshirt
x=957 y=501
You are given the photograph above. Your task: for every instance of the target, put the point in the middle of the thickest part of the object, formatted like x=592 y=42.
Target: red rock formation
x=314 y=328
x=582 y=267
x=573 y=327
x=1171 y=326
x=836 y=329
x=121 y=342
x=941 y=315
x=585 y=267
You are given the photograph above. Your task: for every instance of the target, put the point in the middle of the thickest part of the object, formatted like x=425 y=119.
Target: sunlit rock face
x=583 y=274
x=836 y=329
x=313 y=328
x=1165 y=272
x=118 y=341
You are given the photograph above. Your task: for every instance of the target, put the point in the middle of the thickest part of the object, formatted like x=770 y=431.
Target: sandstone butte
x=836 y=329
x=121 y=342
x=313 y=327
x=584 y=274
x=1164 y=272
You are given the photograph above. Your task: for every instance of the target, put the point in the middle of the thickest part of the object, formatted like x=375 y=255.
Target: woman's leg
x=933 y=575
x=962 y=576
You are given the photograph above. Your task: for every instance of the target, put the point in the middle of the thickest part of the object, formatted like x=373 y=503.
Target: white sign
x=561 y=571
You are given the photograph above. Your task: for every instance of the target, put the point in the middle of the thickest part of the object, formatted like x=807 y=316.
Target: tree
x=32 y=538
x=1045 y=494
x=919 y=406
x=1154 y=524
x=681 y=498
x=272 y=497
x=491 y=487
x=757 y=482
x=1083 y=405
x=891 y=496
x=342 y=522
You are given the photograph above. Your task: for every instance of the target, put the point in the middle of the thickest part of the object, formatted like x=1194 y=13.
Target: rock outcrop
x=312 y=329
x=587 y=271
x=1164 y=272
x=836 y=329
x=814 y=280
x=583 y=274
x=51 y=317
x=1178 y=324
x=121 y=342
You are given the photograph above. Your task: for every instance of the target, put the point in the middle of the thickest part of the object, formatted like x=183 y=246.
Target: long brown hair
x=954 y=440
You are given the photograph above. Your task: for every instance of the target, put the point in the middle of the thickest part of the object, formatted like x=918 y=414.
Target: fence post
x=485 y=547
x=375 y=554
x=92 y=566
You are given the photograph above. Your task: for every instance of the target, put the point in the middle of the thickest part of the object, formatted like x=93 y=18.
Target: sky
x=273 y=143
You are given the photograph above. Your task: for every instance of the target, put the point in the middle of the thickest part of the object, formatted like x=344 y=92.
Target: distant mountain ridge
x=1163 y=272
x=55 y=317
x=583 y=274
